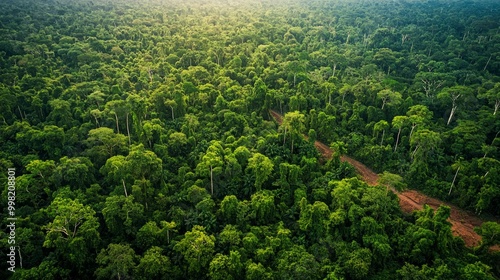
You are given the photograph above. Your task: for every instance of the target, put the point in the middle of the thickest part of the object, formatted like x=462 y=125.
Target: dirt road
x=463 y=222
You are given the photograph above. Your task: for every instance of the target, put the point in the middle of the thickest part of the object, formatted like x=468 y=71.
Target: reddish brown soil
x=463 y=222
x=277 y=116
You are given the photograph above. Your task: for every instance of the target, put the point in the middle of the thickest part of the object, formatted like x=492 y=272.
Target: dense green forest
x=143 y=145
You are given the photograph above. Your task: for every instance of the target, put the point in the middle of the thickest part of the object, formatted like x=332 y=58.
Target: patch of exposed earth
x=463 y=222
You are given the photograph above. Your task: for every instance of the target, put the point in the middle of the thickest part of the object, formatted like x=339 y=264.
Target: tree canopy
x=183 y=139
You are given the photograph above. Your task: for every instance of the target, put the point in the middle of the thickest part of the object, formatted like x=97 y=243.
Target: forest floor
x=463 y=222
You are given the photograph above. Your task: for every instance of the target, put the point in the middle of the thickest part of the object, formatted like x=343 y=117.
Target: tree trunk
x=284 y=137
x=172 y=108
x=117 y=127
x=124 y=188
x=20 y=113
x=218 y=60
x=453 y=109
x=397 y=139
x=96 y=121
x=411 y=131
x=383 y=134
x=128 y=131
x=211 y=180
x=454 y=178
x=144 y=190
x=497 y=105
x=484 y=69
x=414 y=151
x=20 y=257
x=403 y=38
x=334 y=69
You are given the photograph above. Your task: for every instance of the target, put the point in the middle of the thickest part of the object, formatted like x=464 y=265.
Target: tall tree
x=155 y=265
x=211 y=163
x=424 y=143
x=197 y=248
x=117 y=261
x=454 y=95
x=73 y=231
x=104 y=140
x=398 y=122
x=117 y=108
x=293 y=122
x=493 y=97
x=392 y=181
x=418 y=116
x=262 y=167
x=380 y=126
x=389 y=97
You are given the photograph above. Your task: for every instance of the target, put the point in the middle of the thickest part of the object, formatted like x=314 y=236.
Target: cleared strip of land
x=463 y=222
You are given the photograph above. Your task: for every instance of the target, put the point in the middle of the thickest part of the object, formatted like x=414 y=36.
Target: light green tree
x=73 y=232
x=262 y=167
x=398 y=122
x=423 y=143
x=380 y=126
x=211 y=163
x=418 y=116
x=197 y=248
x=226 y=267
x=390 y=180
x=490 y=234
x=493 y=97
x=117 y=261
x=455 y=95
x=389 y=97
x=105 y=140
x=293 y=122
x=155 y=265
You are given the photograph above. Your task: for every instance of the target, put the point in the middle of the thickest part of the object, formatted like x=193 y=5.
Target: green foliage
x=263 y=207
x=155 y=265
x=211 y=163
x=145 y=144
x=197 y=248
x=297 y=263
x=490 y=233
x=117 y=261
x=393 y=181
x=262 y=167
x=73 y=231
x=104 y=141
x=122 y=215
x=226 y=267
